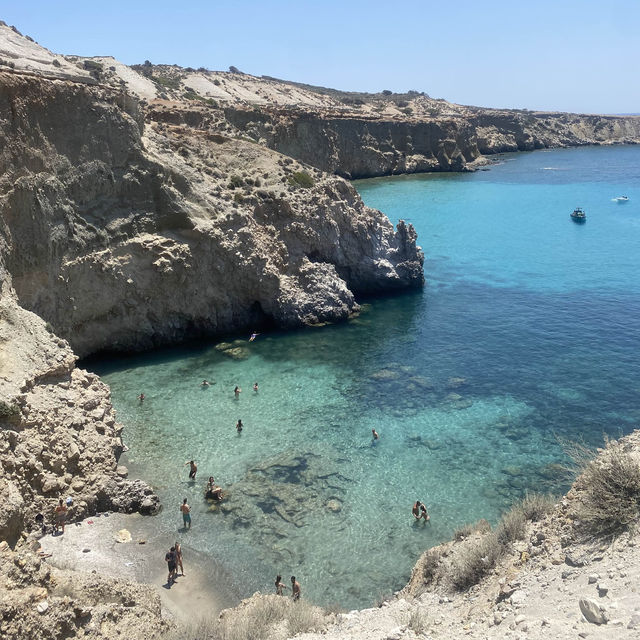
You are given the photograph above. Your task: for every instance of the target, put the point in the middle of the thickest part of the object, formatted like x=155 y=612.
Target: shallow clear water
x=526 y=334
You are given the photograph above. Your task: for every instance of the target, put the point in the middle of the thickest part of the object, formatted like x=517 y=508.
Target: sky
x=567 y=55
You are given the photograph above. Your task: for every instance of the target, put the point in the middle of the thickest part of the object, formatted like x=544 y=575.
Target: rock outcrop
x=58 y=433
x=37 y=601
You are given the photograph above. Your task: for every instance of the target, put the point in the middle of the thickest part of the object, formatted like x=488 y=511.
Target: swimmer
x=205 y=383
x=255 y=386
x=193 y=469
x=416 y=510
x=375 y=435
x=141 y=398
x=237 y=391
x=239 y=426
x=423 y=513
x=253 y=337
x=280 y=586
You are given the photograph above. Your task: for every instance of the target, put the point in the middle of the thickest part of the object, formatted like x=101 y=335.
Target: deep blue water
x=524 y=336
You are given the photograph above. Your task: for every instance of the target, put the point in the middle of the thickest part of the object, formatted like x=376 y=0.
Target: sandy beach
x=91 y=546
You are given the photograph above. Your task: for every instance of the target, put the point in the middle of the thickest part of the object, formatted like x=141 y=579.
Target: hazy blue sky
x=572 y=55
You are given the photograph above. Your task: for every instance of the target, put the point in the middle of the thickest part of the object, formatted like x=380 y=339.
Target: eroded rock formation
x=120 y=240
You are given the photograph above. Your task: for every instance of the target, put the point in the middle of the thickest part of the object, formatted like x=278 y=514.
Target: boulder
x=592 y=611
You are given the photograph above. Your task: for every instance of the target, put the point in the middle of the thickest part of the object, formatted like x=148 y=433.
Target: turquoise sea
x=526 y=335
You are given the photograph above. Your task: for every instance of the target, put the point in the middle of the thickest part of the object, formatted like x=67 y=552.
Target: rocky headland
x=145 y=205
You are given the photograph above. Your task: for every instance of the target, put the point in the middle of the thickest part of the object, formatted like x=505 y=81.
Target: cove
x=524 y=336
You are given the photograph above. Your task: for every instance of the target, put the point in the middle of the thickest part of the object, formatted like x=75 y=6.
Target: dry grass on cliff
x=608 y=490
x=477 y=556
x=260 y=618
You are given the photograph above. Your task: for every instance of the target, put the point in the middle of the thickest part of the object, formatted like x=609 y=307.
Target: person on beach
x=60 y=515
x=423 y=513
x=170 y=559
x=295 y=589
x=141 y=398
x=375 y=435
x=178 y=549
x=239 y=426
x=186 y=514
x=255 y=386
x=204 y=383
x=280 y=586
x=193 y=469
x=237 y=391
x=416 y=510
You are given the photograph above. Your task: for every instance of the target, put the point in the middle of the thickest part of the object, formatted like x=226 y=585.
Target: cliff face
x=121 y=240
x=59 y=436
x=363 y=147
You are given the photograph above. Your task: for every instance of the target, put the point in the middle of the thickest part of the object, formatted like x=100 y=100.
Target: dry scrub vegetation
x=608 y=490
x=480 y=548
x=263 y=617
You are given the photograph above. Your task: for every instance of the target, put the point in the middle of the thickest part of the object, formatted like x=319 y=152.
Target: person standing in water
x=141 y=398
x=255 y=386
x=416 y=510
x=237 y=392
x=178 y=552
x=280 y=586
x=186 y=514
x=295 y=589
x=239 y=426
x=423 y=513
x=193 y=469
x=375 y=435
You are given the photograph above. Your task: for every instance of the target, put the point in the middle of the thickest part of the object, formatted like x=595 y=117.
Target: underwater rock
x=237 y=353
x=282 y=493
x=426 y=384
x=385 y=375
x=456 y=401
x=456 y=383
x=223 y=346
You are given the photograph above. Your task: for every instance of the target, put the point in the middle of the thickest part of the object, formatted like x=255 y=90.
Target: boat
x=621 y=199
x=579 y=215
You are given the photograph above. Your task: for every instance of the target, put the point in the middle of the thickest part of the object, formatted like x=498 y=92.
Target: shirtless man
x=60 y=515
x=416 y=510
x=295 y=589
x=193 y=469
x=186 y=514
x=170 y=559
x=374 y=433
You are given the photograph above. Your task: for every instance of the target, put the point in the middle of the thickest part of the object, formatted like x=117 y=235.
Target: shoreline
x=202 y=592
